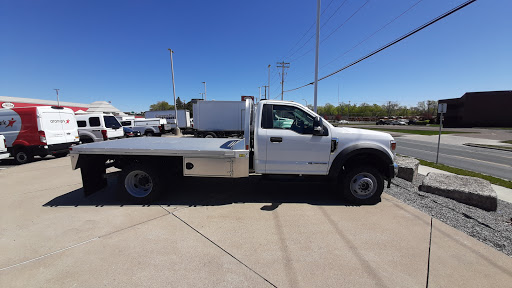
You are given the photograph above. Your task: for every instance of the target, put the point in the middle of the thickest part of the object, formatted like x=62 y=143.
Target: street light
x=204 y=90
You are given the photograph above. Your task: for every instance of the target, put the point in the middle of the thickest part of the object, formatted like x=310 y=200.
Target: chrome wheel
x=363 y=185
x=138 y=183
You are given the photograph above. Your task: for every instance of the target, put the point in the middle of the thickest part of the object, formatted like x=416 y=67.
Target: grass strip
x=458 y=171
x=418 y=132
x=507 y=141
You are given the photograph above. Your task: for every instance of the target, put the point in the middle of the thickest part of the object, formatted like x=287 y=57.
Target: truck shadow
x=272 y=191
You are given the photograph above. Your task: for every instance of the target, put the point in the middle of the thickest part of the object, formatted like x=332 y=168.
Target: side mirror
x=318 y=126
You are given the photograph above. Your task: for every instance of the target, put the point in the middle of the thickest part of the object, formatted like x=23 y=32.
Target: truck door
x=291 y=147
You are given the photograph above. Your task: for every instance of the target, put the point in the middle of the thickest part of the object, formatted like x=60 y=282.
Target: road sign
x=441 y=108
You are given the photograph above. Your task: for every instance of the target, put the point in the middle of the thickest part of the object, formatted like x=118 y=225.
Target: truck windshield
x=111 y=122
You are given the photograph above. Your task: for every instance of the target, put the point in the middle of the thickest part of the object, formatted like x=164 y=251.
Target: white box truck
x=355 y=161
x=38 y=131
x=170 y=116
x=214 y=119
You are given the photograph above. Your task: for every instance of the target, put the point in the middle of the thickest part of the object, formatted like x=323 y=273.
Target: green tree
x=161 y=105
x=180 y=104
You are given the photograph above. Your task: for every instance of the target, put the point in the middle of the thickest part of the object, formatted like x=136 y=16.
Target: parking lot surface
x=276 y=232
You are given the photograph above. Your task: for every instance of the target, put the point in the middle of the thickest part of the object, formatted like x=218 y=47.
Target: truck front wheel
x=363 y=185
x=139 y=184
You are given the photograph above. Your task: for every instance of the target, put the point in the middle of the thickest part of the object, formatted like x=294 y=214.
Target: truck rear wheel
x=139 y=184
x=149 y=133
x=363 y=185
x=22 y=156
x=210 y=135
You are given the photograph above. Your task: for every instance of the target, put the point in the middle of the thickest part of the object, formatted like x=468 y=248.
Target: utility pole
x=202 y=95
x=348 y=114
x=177 y=131
x=58 y=102
x=283 y=66
x=204 y=90
x=316 y=54
x=266 y=91
x=268 y=83
x=260 y=93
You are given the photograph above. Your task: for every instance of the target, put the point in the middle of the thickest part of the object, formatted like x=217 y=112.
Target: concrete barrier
x=407 y=168
x=468 y=190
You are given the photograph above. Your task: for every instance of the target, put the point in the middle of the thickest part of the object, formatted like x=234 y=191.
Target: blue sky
x=117 y=50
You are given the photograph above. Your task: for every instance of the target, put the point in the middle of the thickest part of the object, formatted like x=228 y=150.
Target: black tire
x=60 y=155
x=86 y=139
x=210 y=135
x=22 y=156
x=140 y=184
x=363 y=185
x=149 y=133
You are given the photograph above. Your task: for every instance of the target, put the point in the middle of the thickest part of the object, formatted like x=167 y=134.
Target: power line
x=373 y=34
x=392 y=43
x=311 y=27
x=342 y=24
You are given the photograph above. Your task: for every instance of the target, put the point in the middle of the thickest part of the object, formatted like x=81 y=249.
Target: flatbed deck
x=164 y=146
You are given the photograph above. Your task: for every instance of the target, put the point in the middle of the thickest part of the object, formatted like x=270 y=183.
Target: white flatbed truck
x=279 y=138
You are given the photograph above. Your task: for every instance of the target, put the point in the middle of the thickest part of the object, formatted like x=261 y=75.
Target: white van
x=3 y=148
x=38 y=131
x=94 y=127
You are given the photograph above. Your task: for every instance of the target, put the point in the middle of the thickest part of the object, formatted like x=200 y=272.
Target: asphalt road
x=486 y=161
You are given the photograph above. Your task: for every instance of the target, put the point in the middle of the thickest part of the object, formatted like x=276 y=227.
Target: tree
x=161 y=105
x=179 y=103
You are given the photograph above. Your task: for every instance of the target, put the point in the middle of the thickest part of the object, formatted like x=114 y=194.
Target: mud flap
x=93 y=174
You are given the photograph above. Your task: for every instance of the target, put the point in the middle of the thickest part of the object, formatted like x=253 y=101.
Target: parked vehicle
x=130 y=133
x=38 y=131
x=398 y=122
x=279 y=138
x=214 y=119
x=148 y=127
x=184 y=120
x=3 y=148
x=95 y=127
x=343 y=122
x=383 y=122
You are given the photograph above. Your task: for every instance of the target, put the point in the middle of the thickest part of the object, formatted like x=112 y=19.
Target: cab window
x=126 y=123
x=81 y=123
x=291 y=118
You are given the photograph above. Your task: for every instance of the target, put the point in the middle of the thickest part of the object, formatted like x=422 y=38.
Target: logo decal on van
x=60 y=121
x=11 y=122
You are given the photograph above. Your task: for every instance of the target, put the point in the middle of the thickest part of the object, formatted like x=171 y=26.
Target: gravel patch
x=493 y=228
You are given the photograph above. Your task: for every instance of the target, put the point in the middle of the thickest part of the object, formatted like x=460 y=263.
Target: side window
x=126 y=123
x=81 y=123
x=291 y=118
x=94 y=122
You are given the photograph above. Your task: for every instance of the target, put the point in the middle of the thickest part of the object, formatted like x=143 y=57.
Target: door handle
x=276 y=139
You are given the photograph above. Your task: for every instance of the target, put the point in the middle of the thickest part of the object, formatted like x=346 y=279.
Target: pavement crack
x=81 y=243
x=224 y=250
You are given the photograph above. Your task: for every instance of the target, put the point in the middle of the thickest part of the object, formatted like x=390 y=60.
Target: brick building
x=479 y=109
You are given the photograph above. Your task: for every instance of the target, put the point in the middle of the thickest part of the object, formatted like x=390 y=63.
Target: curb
x=486 y=147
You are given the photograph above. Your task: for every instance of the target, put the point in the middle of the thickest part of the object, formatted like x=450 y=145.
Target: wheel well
x=365 y=160
x=169 y=164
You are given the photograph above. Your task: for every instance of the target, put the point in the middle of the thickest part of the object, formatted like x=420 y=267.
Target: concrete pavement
x=224 y=233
